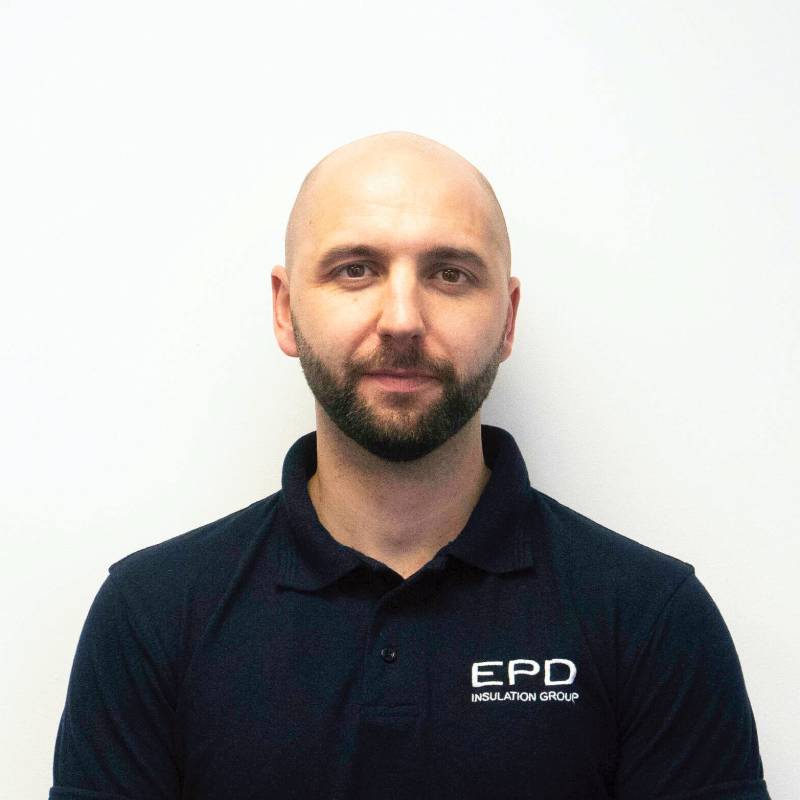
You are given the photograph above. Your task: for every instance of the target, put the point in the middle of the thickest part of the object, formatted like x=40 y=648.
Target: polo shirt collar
x=495 y=538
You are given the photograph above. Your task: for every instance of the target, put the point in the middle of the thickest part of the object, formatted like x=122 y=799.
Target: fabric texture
x=537 y=655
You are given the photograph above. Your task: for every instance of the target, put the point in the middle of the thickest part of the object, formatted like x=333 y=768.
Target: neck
x=399 y=513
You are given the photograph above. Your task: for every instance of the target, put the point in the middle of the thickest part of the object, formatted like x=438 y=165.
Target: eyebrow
x=442 y=253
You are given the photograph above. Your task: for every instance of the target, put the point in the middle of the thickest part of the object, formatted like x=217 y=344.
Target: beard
x=406 y=433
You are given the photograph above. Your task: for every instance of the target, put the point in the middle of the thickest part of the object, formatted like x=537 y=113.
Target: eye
x=355 y=270
x=451 y=275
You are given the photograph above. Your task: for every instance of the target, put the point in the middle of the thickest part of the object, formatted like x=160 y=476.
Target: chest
x=435 y=690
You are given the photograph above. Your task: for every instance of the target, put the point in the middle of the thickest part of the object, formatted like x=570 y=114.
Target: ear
x=281 y=311
x=511 y=317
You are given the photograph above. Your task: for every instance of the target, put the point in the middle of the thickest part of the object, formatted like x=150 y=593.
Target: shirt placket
x=393 y=695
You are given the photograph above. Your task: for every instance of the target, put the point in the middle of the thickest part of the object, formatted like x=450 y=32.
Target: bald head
x=396 y=159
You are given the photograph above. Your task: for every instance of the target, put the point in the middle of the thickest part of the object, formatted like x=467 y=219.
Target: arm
x=686 y=728
x=116 y=739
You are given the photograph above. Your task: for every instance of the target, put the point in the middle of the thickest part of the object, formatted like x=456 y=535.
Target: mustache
x=409 y=358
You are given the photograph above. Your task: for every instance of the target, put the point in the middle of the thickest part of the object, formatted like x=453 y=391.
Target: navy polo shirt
x=537 y=655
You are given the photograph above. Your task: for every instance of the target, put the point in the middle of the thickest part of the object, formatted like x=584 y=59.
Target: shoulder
x=171 y=589
x=591 y=548
x=216 y=544
x=617 y=586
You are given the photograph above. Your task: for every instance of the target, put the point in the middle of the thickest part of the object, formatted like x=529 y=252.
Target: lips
x=400 y=373
x=401 y=381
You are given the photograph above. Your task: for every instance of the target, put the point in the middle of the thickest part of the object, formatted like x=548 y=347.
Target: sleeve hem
x=731 y=790
x=70 y=793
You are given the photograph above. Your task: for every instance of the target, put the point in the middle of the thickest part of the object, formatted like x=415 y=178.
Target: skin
x=402 y=195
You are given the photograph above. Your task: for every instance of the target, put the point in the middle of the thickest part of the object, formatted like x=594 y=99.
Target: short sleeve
x=115 y=739
x=686 y=728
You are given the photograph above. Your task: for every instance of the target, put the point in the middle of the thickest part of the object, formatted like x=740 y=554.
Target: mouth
x=400 y=380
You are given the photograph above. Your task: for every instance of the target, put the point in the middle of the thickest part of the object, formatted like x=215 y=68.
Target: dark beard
x=384 y=438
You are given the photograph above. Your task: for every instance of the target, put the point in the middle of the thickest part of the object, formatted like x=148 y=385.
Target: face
x=399 y=307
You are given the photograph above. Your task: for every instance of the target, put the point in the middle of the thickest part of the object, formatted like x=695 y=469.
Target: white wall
x=646 y=155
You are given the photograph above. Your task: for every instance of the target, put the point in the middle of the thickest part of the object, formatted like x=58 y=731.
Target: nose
x=401 y=314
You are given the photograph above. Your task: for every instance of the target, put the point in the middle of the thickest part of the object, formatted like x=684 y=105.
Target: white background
x=646 y=155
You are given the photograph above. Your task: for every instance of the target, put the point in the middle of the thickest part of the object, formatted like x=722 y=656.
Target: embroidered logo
x=557 y=672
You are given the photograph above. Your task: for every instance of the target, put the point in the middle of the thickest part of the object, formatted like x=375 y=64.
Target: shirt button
x=389 y=654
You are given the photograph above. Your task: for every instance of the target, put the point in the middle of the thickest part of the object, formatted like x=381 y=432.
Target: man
x=407 y=617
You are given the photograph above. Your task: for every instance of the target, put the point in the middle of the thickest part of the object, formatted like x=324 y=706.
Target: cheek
x=470 y=338
x=334 y=332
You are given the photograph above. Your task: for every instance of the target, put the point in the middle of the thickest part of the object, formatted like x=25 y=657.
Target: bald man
x=397 y=298
x=407 y=616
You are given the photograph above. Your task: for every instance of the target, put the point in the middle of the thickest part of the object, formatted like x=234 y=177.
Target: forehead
x=403 y=204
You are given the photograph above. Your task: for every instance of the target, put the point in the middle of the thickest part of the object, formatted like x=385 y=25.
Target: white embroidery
x=492 y=673
x=515 y=667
